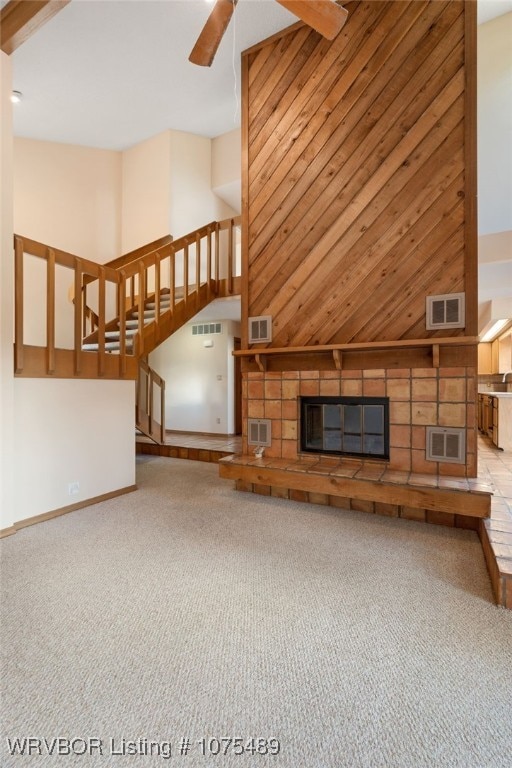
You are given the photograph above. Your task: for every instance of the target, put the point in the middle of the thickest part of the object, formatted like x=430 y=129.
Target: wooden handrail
x=65 y=259
x=18 y=304
x=126 y=258
x=50 y=310
x=173 y=269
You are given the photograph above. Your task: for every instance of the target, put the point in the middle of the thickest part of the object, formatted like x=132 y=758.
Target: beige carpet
x=189 y=611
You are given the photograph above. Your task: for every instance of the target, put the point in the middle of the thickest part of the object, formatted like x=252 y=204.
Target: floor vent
x=206 y=329
x=260 y=329
x=259 y=432
x=446 y=444
x=445 y=311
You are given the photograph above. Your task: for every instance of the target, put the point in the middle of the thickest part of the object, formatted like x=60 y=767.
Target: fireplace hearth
x=346 y=426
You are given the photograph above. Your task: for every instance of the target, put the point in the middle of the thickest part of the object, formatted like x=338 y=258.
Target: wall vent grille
x=206 y=329
x=260 y=329
x=446 y=311
x=446 y=444
x=259 y=432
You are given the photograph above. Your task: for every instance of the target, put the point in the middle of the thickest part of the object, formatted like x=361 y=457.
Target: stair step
x=163 y=305
x=115 y=334
x=110 y=346
x=148 y=313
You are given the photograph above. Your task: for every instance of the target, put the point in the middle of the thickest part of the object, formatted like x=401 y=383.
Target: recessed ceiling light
x=16 y=97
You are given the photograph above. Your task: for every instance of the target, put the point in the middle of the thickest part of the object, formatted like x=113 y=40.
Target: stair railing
x=150 y=409
x=42 y=356
x=190 y=271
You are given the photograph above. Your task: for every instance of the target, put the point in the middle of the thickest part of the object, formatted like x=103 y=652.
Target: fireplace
x=347 y=426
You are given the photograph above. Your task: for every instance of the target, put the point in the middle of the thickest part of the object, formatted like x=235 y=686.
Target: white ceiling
x=111 y=73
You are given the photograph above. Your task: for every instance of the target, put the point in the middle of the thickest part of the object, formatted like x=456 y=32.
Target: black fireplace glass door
x=373 y=430
x=332 y=428
x=343 y=425
x=314 y=428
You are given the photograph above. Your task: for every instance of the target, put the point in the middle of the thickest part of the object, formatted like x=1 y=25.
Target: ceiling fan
x=325 y=16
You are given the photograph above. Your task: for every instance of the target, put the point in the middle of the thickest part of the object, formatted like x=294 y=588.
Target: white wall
x=6 y=302
x=68 y=197
x=65 y=430
x=495 y=125
x=227 y=168
x=71 y=431
x=199 y=380
x=193 y=202
x=146 y=192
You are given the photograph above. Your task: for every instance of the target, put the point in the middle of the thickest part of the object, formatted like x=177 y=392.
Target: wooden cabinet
x=484 y=358
x=505 y=353
x=495 y=357
x=485 y=415
x=495 y=419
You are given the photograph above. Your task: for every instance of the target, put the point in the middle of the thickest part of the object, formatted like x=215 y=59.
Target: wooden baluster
x=172 y=278
x=132 y=291
x=137 y=395
x=142 y=291
x=162 y=412
x=209 y=263
x=231 y=231
x=217 y=257
x=198 y=266
x=101 y=322
x=121 y=292
x=18 y=304
x=85 y=313
x=157 y=289
x=185 y=274
x=149 y=400
x=50 y=310
x=78 y=316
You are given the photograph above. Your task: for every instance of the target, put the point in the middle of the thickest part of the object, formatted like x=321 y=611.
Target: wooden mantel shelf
x=261 y=355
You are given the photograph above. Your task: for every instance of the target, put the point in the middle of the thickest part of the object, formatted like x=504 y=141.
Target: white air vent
x=259 y=432
x=260 y=329
x=445 y=311
x=446 y=444
x=206 y=329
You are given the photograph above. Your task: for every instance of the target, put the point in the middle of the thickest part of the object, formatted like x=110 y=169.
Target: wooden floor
x=191 y=445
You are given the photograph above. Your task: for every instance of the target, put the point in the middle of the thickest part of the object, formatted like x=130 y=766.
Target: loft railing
x=49 y=292
x=175 y=278
x=150 y=406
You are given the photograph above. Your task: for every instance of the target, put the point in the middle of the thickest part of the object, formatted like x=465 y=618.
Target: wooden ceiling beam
x=20 y=19
x=324 y=16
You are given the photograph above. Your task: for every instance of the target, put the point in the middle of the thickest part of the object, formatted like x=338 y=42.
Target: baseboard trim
x=7 y=531
x=64 y=510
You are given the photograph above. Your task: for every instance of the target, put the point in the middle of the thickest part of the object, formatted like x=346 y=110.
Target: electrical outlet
x=73 y=488
x=218 y=421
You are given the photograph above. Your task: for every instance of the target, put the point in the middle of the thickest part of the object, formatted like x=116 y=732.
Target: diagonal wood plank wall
x=358 y=193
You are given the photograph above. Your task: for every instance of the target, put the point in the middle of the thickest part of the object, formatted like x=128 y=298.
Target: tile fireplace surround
x=418 y=397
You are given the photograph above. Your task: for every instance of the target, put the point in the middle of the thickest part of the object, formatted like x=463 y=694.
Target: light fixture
x=494 y=317
x=494 y=330
x=16 y=97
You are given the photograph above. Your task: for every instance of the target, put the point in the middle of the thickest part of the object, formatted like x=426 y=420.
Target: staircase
x=122 y=310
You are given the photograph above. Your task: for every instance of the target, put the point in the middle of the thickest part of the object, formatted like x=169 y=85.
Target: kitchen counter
x=497 y=394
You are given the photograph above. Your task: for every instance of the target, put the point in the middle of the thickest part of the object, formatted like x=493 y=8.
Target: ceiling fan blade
x=325 y=16
x=208 y=41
